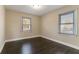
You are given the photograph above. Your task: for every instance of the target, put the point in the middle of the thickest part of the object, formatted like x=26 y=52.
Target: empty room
x=39 y=29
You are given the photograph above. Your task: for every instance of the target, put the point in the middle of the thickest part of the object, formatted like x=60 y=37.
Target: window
x=66 y=23
x=26 y=23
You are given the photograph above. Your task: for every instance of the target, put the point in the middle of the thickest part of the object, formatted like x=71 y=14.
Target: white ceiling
x=28 y=9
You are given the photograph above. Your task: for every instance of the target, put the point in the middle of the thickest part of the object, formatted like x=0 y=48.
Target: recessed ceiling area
x=38 y=10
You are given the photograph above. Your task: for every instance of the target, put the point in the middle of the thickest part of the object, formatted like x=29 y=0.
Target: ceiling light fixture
x=36 y=6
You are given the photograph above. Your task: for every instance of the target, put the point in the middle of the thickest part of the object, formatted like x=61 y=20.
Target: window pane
x=26 y=24
x=67 y=18
x=26 y=27
x=68 y=28
x=26 y=21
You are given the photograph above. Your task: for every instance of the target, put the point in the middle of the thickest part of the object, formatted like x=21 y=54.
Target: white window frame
x=26 y=24
x=63 y=14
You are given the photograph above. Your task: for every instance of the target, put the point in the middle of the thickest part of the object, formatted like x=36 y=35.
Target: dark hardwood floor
x=37 y=46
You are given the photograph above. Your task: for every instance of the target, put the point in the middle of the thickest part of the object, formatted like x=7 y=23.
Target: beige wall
x=2 y=26
x=50 y=26
x=13 y=25
x=47 y=25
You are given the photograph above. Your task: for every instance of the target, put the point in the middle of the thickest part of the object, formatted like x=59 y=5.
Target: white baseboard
x=2 y=47
x=22 y=38
x=64 y=43
x=67 y=44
